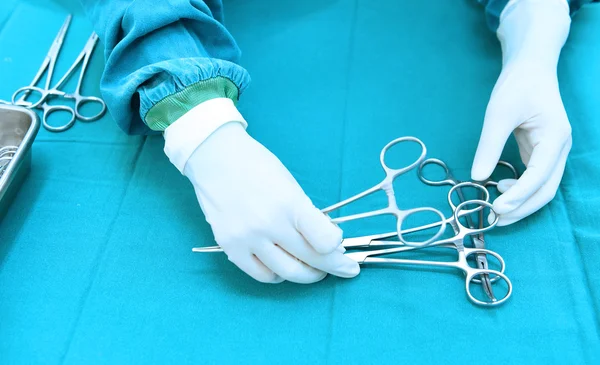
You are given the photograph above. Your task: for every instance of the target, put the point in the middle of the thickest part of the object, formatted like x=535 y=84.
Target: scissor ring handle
x=483 y=204
x=447 y=180
x=485 y=191
x=508 y=165
x=397 y=172
x=81 y=100
x=477 y=251
x=406 y=213
x=49 y=109
x=471 y=276
x=26 y=90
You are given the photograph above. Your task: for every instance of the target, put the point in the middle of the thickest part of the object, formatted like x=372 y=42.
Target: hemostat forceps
x=449 y=179
x=46 y=93
x=387 y=186
x=473 y=275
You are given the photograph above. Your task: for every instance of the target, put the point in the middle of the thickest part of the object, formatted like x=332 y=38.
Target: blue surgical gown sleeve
x=493 y=9
x=163 y=57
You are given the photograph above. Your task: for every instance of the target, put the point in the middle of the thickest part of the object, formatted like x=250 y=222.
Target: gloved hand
x=259 y=214
x=526 y=100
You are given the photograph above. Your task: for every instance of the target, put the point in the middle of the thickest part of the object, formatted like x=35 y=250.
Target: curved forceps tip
x=479 y=251
x=471 y=278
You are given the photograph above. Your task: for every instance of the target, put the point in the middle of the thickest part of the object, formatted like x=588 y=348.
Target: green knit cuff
x=171 y=108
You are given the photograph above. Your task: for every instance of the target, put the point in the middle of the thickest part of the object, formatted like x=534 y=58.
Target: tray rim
x=23 y=148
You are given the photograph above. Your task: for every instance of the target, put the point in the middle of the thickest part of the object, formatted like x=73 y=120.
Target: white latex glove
x=259 y=214
x=526 y=100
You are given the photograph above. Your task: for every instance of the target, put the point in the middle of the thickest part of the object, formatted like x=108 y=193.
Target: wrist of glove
x=526 y=101
x=259 y=214
x=533 y=32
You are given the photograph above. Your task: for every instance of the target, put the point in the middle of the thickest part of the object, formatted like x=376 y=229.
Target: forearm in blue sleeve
x=163 y=58
x=493 y=9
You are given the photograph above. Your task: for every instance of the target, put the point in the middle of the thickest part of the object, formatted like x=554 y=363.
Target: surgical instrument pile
x=368 y=249
x=44 y=95
x=18 y=128
x=6 y=155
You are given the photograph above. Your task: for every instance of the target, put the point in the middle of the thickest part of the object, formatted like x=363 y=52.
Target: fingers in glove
x=334 y=263
x=494 y=135
x=287 y=266
x=318 y=230
x=504 y=185
x=252 y=266
x=543 y=163
x=539 y=199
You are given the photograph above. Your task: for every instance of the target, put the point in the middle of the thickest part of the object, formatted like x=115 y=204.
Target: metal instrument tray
x=18 y=127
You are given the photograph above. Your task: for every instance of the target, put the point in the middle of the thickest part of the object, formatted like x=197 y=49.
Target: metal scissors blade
x=48 y=64
x=207 y=249
x=52 y=55
x=83 y=56
x=81 y=61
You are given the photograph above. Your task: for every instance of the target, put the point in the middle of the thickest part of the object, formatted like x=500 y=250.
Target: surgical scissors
x=6 y=155
x=47 y=93
x=392 y=209
x=387 y=186
x=356 y=247
x=456 y=242
x=375 y=240
x=449 y=179
x=48 y=64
